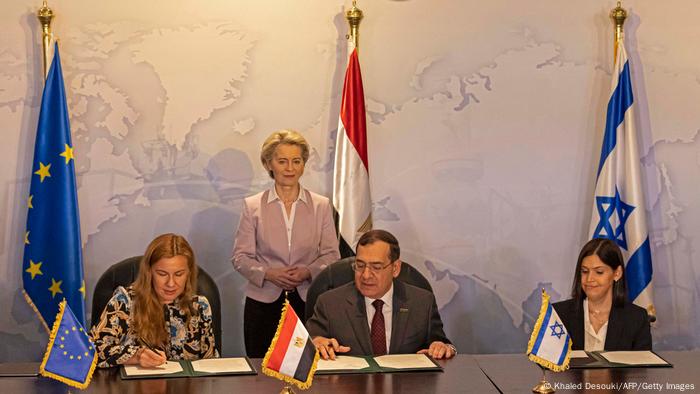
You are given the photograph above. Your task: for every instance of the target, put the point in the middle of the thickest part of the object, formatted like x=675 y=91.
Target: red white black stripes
x=292 y=356
x=351 y=192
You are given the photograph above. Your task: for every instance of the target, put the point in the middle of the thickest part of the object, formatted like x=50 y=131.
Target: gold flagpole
x=618 y=15
x=45 y=15
x=354 y=16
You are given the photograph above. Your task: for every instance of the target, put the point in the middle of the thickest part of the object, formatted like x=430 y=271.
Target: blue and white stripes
x=550 y=343
x=619 y=211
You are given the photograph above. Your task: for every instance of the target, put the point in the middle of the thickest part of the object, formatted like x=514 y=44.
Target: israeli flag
x=619 y=212
x=550 y=344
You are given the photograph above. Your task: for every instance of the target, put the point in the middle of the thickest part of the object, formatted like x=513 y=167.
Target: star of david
x=557 y=330
x=612 y=210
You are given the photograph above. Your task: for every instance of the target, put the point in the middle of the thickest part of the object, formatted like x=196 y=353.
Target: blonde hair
x=147 y=312
x=287 y=137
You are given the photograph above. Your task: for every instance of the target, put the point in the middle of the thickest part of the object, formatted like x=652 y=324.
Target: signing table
x=506 y=373
x=514 y=373
x=460 y=375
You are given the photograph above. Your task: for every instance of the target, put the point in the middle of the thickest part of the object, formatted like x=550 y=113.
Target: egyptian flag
x=351 y=194
x=292 y=356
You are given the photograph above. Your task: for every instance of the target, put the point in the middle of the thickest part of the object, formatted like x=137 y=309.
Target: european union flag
x=52 y=267
x=70 y=356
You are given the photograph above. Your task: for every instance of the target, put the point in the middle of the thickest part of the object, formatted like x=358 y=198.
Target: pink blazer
x=261 y=242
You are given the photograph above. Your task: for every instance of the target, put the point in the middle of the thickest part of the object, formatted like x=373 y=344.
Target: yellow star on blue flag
x=70 y=356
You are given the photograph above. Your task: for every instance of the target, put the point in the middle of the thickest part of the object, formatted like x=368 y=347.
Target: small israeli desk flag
x=550 y=344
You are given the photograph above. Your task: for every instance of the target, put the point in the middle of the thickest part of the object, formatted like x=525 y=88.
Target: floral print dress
x=116 y=342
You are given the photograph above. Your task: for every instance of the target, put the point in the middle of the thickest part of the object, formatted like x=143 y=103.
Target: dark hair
x=373 y=236
x=610 y=254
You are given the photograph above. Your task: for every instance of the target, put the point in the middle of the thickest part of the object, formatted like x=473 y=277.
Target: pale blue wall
x=484 y=120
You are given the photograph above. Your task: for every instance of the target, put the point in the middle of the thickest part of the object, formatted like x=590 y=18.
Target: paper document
x=579 y=354
x=404 y=361
x=218 y=365
x=643 y=357
x=342 y=362
x=165 y=369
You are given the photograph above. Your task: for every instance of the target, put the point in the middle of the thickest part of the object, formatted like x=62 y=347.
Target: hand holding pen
x=150 y=356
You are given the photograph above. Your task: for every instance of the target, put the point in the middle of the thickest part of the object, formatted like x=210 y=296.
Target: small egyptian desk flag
x=292 y=357
x=70 y=356
x=550 y=344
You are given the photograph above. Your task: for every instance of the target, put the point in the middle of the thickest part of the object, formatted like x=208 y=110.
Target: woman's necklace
x=599 y=316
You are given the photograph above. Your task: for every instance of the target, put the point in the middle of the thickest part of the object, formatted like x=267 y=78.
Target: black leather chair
x=340 y=273
x=124 y=273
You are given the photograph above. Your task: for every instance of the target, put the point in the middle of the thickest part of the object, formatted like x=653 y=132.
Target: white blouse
x=595 y=341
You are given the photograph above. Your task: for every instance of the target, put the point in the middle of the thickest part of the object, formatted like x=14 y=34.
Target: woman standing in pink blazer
x=286 y=236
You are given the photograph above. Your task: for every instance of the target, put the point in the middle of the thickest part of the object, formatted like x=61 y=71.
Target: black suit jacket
x=628 y=326
x=340 y=313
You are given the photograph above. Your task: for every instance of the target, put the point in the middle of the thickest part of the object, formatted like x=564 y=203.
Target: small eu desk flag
x=550 y=344
x=52 y=267
x=70 y=356
x=292 y=357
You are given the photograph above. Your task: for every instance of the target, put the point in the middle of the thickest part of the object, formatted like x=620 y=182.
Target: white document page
x=634 y=358
x=342 y=362
x=218 y=365
x=404 y=361
x=579 y=354
x=165 y=369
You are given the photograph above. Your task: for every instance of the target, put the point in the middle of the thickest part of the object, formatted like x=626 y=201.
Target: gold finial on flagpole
x=618 y=15
x=354 y=16
x=45 y=16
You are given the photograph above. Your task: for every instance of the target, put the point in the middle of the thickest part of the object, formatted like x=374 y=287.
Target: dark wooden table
x=461 y=375
x=514 y=373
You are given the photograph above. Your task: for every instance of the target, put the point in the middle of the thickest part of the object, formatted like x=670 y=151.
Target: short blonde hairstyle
x=287 y=137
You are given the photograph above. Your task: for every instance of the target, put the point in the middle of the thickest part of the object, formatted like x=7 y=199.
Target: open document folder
x=617 y=359
x=369 y=364
x=184 y=368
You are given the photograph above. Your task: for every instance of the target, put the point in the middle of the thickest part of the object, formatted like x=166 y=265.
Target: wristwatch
x=451 y=346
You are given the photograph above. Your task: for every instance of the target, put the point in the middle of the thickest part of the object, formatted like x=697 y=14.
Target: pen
x=154 y=349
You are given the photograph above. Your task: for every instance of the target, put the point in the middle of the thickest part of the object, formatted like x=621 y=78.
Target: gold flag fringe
x=52 y=337
x=533 y=338
x=36 y=310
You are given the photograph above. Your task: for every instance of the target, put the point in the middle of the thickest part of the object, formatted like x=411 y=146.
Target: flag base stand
x=287 y=390
x=543 y=387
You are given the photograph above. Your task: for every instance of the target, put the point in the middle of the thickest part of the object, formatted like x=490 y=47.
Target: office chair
x=124 y=273
x=340 y=273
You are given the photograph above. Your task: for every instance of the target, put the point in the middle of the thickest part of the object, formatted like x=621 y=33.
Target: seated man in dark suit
x=375 y=314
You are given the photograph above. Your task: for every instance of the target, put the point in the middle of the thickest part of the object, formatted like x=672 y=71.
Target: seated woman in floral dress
x=158 y=317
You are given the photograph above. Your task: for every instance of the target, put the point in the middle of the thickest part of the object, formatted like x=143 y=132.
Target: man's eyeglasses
x=359 y=266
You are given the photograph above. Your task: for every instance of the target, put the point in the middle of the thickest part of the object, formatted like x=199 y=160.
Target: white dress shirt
x=288 y=219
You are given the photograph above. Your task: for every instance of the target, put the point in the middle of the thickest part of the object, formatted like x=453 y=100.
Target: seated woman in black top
x=599 y=316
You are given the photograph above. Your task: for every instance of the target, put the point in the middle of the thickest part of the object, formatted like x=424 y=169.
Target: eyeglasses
x=359 y=266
